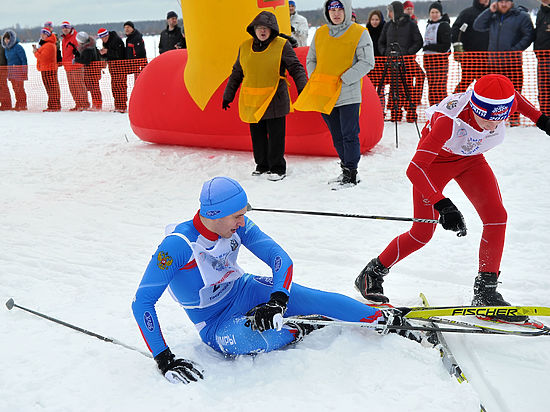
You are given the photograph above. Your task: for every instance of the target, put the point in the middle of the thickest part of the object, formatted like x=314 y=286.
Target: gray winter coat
x=512 y=31
x=363 y=60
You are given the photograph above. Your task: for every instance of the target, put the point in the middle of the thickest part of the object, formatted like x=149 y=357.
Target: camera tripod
x=395 y=66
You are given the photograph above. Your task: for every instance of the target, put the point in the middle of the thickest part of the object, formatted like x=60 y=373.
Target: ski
x=485 y=311
x=447 y=357
x=530 y=323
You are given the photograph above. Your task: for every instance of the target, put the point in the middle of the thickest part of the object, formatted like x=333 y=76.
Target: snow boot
x=369 y=282
x=485 y=294
x=301 y=329
x=349 y=179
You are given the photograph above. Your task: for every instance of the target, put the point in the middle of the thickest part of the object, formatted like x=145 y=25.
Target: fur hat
x=82 y=37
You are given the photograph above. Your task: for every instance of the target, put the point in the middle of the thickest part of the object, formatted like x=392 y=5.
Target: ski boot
x=485 y=294
x=396 y=317
x=301 y=329
x=369 y=282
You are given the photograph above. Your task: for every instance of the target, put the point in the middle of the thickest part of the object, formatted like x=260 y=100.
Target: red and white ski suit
x=451 y=147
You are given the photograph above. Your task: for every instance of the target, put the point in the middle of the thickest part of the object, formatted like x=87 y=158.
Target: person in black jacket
x=135 y=49
x=113 y=52
x=402 y=30
x=375 y=25
x=437 y=44
x=268 y=133
x=172 y=37
x=470 y=45
x=88 y=56
x=542 y=51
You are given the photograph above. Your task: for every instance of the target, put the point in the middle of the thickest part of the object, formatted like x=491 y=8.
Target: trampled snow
x=84 y=204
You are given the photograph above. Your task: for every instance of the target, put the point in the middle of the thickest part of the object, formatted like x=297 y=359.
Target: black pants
x=268 y=145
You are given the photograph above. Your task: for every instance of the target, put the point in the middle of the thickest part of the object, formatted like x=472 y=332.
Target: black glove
x=451 y=218
x=269 y=315
x=178 y=370
x=544 y=124
x=225 y=104
x=292 y=29
x=293 y=42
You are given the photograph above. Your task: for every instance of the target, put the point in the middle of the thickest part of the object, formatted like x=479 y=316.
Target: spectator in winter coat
x=5 y=95
x=114 y=52
x=17 y=68
x=49 y=25
x=408 y=8
x=46 y=63
x=75 y=71
x=266 y=111
x=172 y=37
x=298 y=25
x=89 y=57
x=437 y=45
x=402 y=30
x=542 y=51
x=468 y=45
x=340 y=55
x=510 y=32
x=135 y=49
x=375 y=25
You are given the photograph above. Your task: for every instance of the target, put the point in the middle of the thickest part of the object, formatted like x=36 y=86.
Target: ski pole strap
x=332 y=214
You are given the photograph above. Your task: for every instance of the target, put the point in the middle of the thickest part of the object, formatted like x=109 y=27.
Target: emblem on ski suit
x=163 y=260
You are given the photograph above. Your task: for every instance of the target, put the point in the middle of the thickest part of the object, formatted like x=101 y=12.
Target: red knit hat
x=408 y=3
x=493 y=97
x=47 y=31
x=102 y=33
x=66 y=25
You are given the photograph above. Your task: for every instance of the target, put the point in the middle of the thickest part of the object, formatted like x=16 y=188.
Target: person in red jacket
x=75 y=71
x=460 y=129
x=46 y=63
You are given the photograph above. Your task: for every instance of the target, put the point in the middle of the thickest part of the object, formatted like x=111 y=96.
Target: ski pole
x=10 y=304
x=307 y=212
x=459 y=329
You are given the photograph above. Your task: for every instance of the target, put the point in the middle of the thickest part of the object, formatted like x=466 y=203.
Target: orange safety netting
x=429 y=78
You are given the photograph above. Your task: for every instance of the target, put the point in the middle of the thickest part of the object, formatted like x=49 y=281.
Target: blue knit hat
x=221 y=197
x=291 y=3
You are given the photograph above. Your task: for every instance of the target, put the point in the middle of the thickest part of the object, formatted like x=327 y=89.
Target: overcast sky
x=31 y=13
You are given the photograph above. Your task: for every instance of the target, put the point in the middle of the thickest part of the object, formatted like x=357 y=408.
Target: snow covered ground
x=84 y=204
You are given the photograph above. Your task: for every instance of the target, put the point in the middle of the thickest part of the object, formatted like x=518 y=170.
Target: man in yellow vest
x=264 y=100
x=340 y=55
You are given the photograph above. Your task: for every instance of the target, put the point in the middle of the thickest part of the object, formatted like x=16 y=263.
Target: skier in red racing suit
x=459 y=130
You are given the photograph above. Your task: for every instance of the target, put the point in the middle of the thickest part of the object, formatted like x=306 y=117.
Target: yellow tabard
x=334 y=57
x=261 y=78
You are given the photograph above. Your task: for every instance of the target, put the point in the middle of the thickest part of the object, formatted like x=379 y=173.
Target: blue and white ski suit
x=201 y=272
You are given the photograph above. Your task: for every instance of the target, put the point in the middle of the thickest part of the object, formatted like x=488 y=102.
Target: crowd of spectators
x=83 y=62
x=502 y=28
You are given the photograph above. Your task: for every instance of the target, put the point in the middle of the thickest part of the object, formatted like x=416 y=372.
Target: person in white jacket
x=299 y=25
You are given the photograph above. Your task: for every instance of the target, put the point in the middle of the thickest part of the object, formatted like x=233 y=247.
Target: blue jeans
x=343 y=123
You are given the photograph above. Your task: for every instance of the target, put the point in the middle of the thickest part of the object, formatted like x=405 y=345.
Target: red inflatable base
x=162 y=111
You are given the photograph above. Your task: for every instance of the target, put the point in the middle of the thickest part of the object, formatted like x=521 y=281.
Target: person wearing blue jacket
x=235 y=313
x=510 y=32
x=17 y=67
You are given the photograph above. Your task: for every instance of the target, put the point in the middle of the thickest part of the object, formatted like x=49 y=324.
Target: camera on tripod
x=395 y=49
